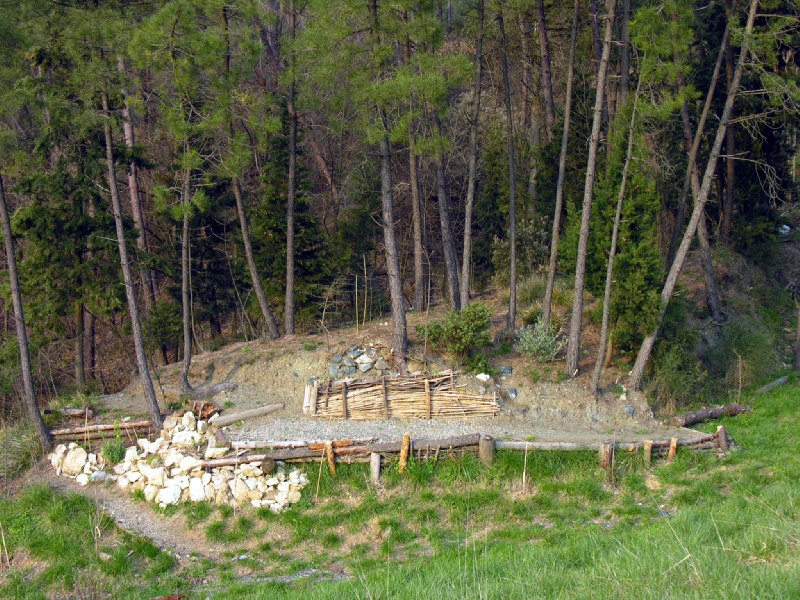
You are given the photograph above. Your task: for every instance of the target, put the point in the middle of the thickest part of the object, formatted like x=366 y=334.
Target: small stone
x=512 y=393
x=187 y=439
x=507 y=370
x=123 y=482
x=197 y=491
x=256 y=503
x=188 y=463
x=182 y=481
x=82 y=479
x=484 y=377
x=202 y=427
x=293 y=496
x=169 y=495
x=133 y=476
x=239 y=489
x=283 y=486
x=206 y=478
x=363 y=359
x=131 y=454
x=92 y=458
x=170 y=422
x=337 y=358
x=72 y=445
x=303 y=479
x=150 y=493
x=57 y=457
x=333 y=372
x=188 y=421
x=272 y=481
x=98 y=476
x=213 y=452
x=381 y=364
x=349 y=362
x=364 y=367
x=154 y=476
x=347 y=371
x=294 y=477
x=73 y=461
x=251 y=483
x=629 y=410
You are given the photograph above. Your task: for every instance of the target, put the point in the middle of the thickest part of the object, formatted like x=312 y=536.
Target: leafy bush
x=538 y=342
x=114 y=450
x=19 y=447
x=677 y=378
x=460 y=333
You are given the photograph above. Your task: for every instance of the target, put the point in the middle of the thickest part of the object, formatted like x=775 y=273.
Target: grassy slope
x=716 y=527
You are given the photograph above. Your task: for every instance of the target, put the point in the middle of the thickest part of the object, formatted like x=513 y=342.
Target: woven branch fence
x=415 y=397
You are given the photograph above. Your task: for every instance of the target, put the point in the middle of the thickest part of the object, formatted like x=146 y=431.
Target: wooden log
x=344 y=400
x=647 y=449
x=330 y=457
x=375 y=467
x=307 y=399
x=223 y=420
x=673 y=449
x=772 y=385
x=486 y=450
x=316 y=445
x=102 y=427
x=314 y=394
x=706 y=414
x=606 y=458
x=405 y=446
x=722 y=438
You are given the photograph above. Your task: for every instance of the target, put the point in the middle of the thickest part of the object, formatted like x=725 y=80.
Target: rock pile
x=169 y=470
x=357 y=362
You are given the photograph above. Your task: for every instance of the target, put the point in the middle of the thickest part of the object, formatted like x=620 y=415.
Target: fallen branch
x=105 y=427
x=706 y=414
x=772 y=385
x=223 y=420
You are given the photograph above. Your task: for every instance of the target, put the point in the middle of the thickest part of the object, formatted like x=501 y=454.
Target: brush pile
x=412 y=397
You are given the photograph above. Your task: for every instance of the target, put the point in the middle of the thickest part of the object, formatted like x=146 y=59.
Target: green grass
x=702 y=527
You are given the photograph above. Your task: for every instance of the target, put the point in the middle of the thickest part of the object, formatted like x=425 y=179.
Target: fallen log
x=103 y=427
x=594 y=446
x=706 y=414
x=772 y=385
x=223 y=420
x=281 y=444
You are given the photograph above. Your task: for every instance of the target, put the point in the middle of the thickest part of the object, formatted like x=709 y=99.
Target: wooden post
x=606 y=456
x=385 y=396
x=330 y=457
x=428 y=398
x=722 y=438
x=314 y=394
x=344 y=400
x=647 y=448
x=375 y=467
x=405 y=447
x=486 y=450
x=673 y=449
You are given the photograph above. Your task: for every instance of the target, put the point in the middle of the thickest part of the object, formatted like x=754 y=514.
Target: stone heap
x=357 y=362
x=169 y=470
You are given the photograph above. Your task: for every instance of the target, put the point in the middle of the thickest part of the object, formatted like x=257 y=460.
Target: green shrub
x=19 y=447
x=114 y=450
x=677 y=377
x=538 y=342
x=460 y=333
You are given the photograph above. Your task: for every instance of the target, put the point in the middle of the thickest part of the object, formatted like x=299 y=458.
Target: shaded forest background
x=256 y=146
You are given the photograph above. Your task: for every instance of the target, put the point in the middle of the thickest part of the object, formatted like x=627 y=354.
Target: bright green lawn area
x=702 y=527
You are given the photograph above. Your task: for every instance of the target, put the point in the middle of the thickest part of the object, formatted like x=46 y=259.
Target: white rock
x=210 y=491
x=187 y=439
x=262 y=485
x=188 y=421
x=202 y=427
x=239 y=489
x=172 y=457
x=251 y=482
x=170 y=422
x=87 y=468
x=272 y=481
x=188 y=463
x=206 y=478
x=92 y=458
x=58 y=455
x=131 y=454
x=154 y=476
x=484 y=377
x=156 y=445
x=150 y=493
x=293 y=496
x=98 y=476
x=72 y=445
x=303 y=479
x=73 y=461
x=256 y=503
x=215 y=452
x=294 y=477
x=169 y=495
x=197 y=492
x=82 y=479
x=133 y=476
x=122 y=467
x=283 y=486
x=123 y=482
x=183 y=481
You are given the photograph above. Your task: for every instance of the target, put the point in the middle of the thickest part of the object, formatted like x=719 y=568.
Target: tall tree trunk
x=687 y=182
x=146 y=275
x=270 y=322
x=712 y=292
x=530 y=124
x=730 y=144
x=472 y=163
x=625 y=53
x=133 y=309
x=80 y=365
x=290 y=192
x=547 y=78
x=643 y=357
x=448 y=242
x=186 y=297
x=601 y=351
x=29 y=395
x=597 y=46
x=399 y=332
x=562 y=168
x=512 y=184
x=418 y=226
x=573 y=348
x=797 y=339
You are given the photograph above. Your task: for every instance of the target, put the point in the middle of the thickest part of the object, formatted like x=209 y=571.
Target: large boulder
x=169 y=495
x=74 y=461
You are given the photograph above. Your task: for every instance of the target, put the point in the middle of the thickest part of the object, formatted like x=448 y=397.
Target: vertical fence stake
x=486 y=450
x=405 y=447
x=722 y=438
x=375 y=467
x=647 y=448
x=329 y=456
x=673 y=449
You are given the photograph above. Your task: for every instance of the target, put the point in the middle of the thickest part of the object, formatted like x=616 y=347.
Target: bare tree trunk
x=512 y=185
x=80 y=365
x=34 y=414
x=562 y=167
x=399 y=332
x=643 y=357
x=418 y=226
x=625 y=53
x=472 y=167
x=676 y=233
x=133 y=309
x=290 y=193
x=146 y=275
x=573 y=348
x=186 y=297
x=601 y=351
x=730 y=144
x=597 y=46
x=797 y=340
x=448 y=243
x=547 y=78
